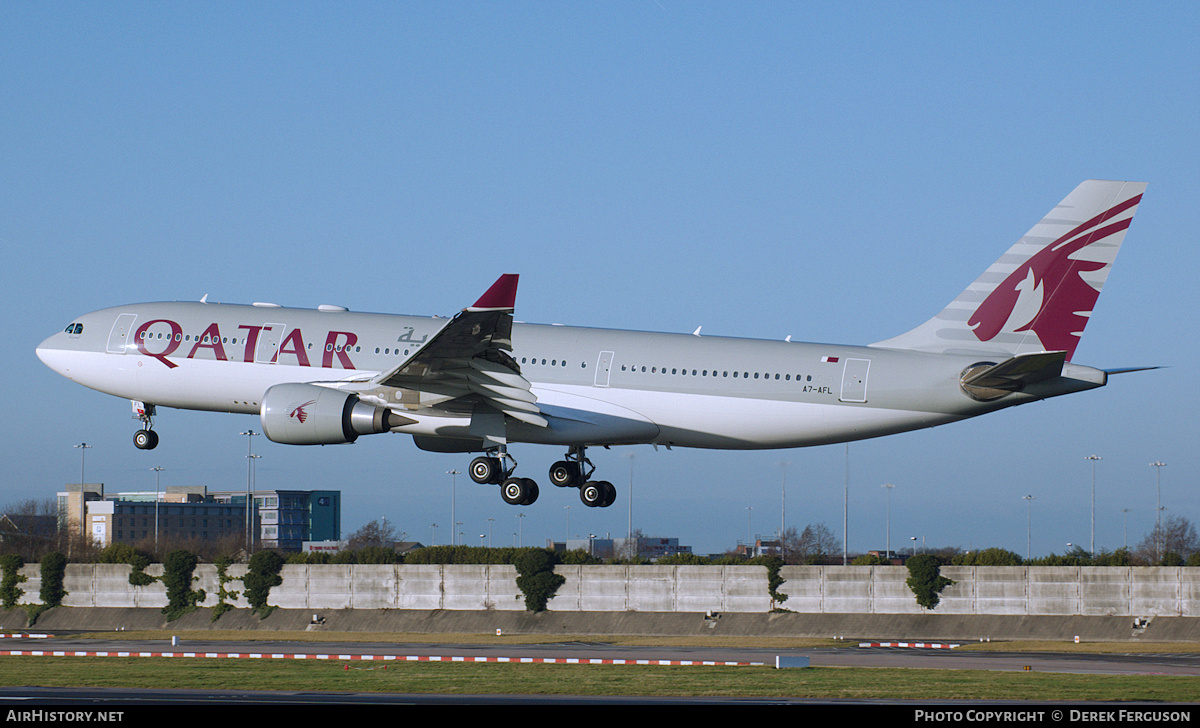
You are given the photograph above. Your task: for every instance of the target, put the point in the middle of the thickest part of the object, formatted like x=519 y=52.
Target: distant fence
x=989 y=590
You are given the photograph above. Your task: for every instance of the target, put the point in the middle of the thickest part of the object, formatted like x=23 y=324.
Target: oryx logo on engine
x=300 y=413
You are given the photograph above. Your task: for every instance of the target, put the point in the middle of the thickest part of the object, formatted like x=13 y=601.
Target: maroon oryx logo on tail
x=1048 y=293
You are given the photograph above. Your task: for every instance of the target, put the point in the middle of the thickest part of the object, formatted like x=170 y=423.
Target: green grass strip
x=599 y=680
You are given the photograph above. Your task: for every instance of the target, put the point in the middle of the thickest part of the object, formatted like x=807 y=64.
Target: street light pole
x=1094 y=459
x=253 y=484
x=1028 y=524
x=157 y=489
x=83 y=448
x=846 y=511
x=889 y=487
x=249 y=465
x=629 y=526
x=750 y=528
x=453 y=498
x=782 y=504
x=1158 y=466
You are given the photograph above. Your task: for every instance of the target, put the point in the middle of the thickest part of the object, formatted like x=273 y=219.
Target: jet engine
x=305 y=414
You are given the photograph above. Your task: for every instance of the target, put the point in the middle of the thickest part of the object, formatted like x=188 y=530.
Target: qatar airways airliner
x=478 y=381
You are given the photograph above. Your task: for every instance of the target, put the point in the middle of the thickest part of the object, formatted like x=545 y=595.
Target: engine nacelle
x=305 y=414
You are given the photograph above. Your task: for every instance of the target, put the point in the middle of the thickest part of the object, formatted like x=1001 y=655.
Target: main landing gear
x=494 y=469
x=145 y=438
x=573 y=472
x=576 y=472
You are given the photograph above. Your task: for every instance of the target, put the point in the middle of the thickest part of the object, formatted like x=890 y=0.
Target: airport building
x=622 y=548
x=289 y=518
x=760 y=547
x=275 y=519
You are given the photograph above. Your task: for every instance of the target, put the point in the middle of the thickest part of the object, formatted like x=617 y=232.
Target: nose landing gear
x=145 y=438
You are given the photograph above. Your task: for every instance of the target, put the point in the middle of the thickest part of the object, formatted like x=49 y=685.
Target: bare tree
x=30 y=528
x=373 y=534
x=1175 y=535
x=811 y=544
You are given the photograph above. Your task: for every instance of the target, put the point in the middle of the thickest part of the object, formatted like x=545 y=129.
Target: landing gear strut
x=572 y=471
x=145 y=438
x=575 y=472
x=493 y=469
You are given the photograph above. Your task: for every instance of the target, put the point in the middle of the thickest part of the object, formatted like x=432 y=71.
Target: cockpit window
x=74 y=329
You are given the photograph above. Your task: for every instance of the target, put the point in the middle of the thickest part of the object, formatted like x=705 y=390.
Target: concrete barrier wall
x=662 y=589
x=1139 y=591
x=977 y=590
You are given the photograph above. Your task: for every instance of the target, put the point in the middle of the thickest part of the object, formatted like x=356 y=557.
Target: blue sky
x=833 y=172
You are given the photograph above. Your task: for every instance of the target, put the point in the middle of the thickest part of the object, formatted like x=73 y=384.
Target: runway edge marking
x=406 y=658
x=921 y=645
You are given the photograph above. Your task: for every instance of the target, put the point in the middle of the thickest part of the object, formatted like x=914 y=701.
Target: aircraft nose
x=43 y=349
x=51 y=354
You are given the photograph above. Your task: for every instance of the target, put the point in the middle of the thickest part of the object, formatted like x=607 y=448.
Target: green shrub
x=1171 y=558
x=123 y=553
x=177 y=577
x=578 y=557
x=138 y=575
x=460 y=555
x=925 y=580
x=774 y=580
x=988 y=557
x=54 y=570
x=116 y=553
x=684 y=559
x=261 y=576
x=536 y=578
x=223 y=563
x=10 y=593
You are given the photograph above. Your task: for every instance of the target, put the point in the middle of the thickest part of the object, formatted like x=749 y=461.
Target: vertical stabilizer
x=1037 y=296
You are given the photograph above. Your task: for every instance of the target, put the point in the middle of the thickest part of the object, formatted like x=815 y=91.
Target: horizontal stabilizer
x=1126 y=370
x=991 y=381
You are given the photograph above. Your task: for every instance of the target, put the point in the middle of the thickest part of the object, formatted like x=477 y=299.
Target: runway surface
x=602 y=653
x=565 y=652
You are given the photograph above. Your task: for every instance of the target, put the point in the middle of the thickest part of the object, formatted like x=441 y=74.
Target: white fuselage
x=594 y=386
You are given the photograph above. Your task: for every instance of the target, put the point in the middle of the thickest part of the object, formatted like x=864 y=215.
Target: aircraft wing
x=470 y=357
